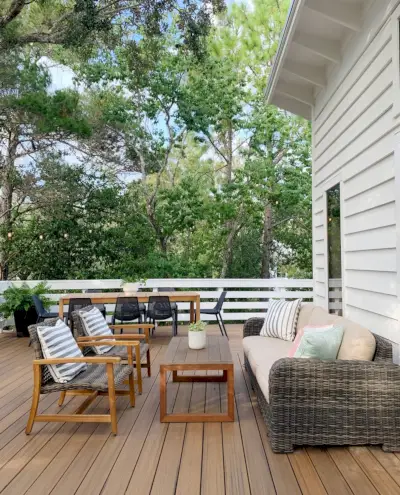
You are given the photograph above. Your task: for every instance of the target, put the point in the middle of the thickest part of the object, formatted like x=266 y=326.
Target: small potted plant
x=197 y=335
x=18 y=303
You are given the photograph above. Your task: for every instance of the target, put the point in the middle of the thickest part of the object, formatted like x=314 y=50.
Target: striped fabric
x=58 y=342
x=94 y=325
x=281 y=320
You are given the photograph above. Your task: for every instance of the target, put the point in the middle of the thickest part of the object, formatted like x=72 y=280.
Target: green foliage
x=199 y=326
x=170 y=98
x=20 y=298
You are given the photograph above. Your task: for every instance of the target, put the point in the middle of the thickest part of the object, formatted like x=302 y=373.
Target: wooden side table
x=215 y=357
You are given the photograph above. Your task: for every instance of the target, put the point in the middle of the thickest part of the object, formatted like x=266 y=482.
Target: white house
x=338 y=66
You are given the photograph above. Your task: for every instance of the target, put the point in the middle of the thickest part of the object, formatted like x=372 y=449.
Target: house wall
x=356 y=143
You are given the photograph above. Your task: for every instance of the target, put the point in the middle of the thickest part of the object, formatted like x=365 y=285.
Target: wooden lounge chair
x=125 y=353
x=101 y=377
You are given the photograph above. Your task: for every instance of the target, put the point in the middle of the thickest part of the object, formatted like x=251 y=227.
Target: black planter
x=23 y=319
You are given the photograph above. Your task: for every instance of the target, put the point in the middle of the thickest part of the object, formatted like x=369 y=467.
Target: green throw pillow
x=322 y=344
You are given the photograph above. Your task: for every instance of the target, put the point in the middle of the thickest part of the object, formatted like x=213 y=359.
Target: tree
x=85 y=23
x=32 y=121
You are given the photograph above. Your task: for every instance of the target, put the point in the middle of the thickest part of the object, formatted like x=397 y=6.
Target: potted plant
x=197 y=335
x=18 y=303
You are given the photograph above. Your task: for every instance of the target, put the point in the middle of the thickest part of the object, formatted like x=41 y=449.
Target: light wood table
x=111 y=298
x=215 y=357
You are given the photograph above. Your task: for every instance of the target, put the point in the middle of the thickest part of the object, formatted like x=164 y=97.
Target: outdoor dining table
x=111 y=298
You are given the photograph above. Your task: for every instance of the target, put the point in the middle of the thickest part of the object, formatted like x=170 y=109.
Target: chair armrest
x=298 y=381
x=98 y=343
x=126 y=337
x=88 y=360
x=252 y=327
x=133 y=325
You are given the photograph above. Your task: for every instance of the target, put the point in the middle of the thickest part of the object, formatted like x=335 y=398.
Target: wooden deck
x=150 y=457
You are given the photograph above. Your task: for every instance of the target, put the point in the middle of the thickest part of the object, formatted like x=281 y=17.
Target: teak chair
x=101 y=378
x=125 y=353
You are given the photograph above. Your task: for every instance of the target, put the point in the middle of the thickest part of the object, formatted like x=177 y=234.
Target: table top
x=175 y=295
x=216 y=351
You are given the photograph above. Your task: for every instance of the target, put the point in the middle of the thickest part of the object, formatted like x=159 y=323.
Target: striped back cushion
x=58 y=342
x=281 y=320
x=94 y=325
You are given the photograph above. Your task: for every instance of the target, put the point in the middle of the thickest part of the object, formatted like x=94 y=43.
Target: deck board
x=150 y=457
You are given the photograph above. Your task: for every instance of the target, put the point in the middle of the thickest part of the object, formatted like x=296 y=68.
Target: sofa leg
x=280 y=446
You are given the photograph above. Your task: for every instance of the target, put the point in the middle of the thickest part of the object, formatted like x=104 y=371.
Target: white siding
x=353 y=144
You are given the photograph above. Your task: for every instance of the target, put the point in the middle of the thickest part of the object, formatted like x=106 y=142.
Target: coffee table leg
x=163 y=393
x=231 y=394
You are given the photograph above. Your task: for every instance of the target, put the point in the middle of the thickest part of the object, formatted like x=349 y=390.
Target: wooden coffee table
x=215 y=357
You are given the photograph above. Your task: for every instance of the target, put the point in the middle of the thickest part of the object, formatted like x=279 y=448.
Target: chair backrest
x=220 y=301
x=40 y=310
x=32 y=329
x=160 y=307
x=75 y=304
x=77 y=327
x=127 y=309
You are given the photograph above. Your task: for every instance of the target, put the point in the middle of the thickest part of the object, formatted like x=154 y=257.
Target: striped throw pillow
x=58 y=342
x=94 y=325
x=281 y=320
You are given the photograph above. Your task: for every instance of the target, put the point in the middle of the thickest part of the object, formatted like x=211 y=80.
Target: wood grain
x=183 y=459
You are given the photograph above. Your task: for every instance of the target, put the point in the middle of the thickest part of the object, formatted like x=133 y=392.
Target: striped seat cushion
x=281 y=320
x=94 y=325
x=58 y=342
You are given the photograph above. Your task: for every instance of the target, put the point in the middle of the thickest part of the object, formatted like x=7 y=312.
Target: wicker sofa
x=315 y=402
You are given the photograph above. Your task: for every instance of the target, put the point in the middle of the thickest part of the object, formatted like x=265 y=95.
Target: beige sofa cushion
x=304 y=315
x=358 y=342
x=321 y=317
x=262 y=352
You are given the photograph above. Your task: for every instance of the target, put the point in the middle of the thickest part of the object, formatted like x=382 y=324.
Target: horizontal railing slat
x=239 y=305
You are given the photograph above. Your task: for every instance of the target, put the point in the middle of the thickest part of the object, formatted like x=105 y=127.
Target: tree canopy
x=162 y=159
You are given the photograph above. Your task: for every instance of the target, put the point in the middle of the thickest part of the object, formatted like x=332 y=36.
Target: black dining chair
x=75 y=304
x=216 y=310
x=100 y=306
x=42 y=313
x=142 y=306
x=160 y=309
x=126 y=309
x=174 y=305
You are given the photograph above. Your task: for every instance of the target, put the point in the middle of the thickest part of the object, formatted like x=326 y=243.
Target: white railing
x=246 y=298
x=335 y=296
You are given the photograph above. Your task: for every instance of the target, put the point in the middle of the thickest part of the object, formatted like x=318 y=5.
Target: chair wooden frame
x=138 y=336
x=129 y=344
x=78 y=416
x=91 y=341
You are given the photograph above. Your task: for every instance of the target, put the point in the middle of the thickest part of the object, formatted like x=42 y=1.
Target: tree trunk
x=266 y=242
x=7 y=175
x=228 y=254
x=229 y=167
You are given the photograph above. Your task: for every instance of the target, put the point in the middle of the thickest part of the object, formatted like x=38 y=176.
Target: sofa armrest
x=252 y=327
x=342 y=382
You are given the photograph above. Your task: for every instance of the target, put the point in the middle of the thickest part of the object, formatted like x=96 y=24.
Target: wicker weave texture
x=314 y=402
x=119 y=351
x=93 y=378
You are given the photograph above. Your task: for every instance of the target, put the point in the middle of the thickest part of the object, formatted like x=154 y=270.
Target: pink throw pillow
x=300 y=334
